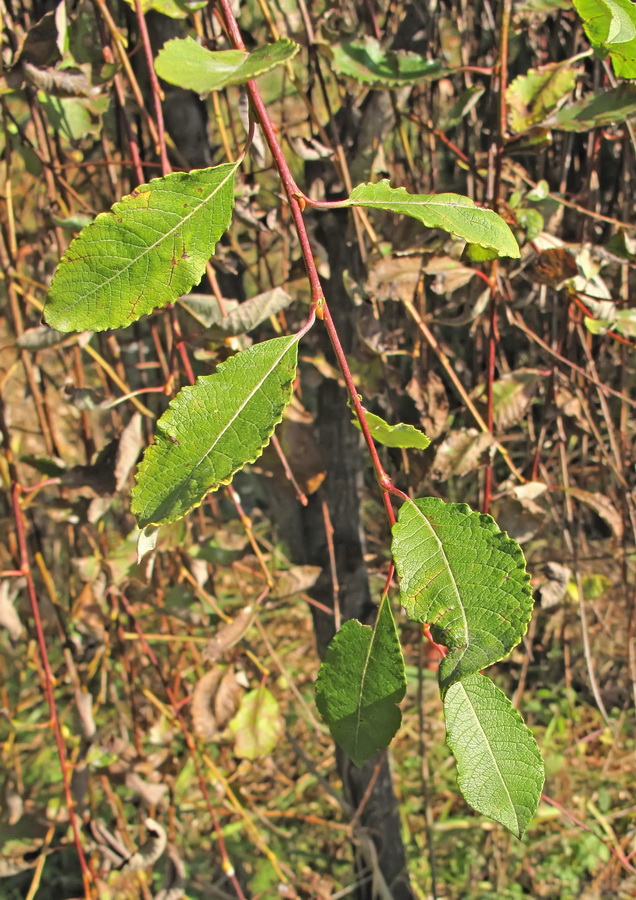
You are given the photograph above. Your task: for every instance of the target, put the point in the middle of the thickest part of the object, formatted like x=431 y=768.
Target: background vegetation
x=192 y=754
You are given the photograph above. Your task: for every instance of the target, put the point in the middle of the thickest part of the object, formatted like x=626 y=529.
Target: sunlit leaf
x=500 y=771
x=184 y=62
x=610 y=26
x=212 y=429
x=451 y=212
x=531 y=97
x=360 y=683
x=258 y=725
x=400 y=435
x=465 y=578
x=151 y=248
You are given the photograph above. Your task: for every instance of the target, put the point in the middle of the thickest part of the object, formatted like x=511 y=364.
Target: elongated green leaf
x=452 y=212
x=258 y=725
x=610 y=26
x=359 y=684
x=243 y=316
x=175 y=9
x=401 y=435
x=500 y=771
x=465 y=578
x=187 y=64
x=368 y=63
x=151 y=248
x=596 y=110
x=212 y=429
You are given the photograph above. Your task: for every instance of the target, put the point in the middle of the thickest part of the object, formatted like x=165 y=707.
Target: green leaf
x=184 y=62
x=400 y=435
x=452 y=212
x=596 y=110
x=258 y=725
x=610 y=26
x=368 y=63
x=466 y=579
x=175 y=9
x=244 y=316
x=151 y=248
x=500 y=770
x=212 y=429
x=531 y=97
x=360 y=683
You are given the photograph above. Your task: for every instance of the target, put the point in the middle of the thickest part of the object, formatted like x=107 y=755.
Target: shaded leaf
x=512 y=395
x=367 y=62
x=251 y=313
x=596 y=110
x=400 y=435
x=531 y=97
x=174 y=9
x=258 y=726
x=451 y=212
x=184 y=62
x=212 y=429
x=360 y=683
x=159 y=239
x=603 y=507
x=459 y=453
x=499 y=767
x=465 y=578
x=431 y=401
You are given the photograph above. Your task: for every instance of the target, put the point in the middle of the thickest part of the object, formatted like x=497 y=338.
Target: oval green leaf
x=400 y=435
x=359 y=685
x=499 y=766
x=368 y=63
x=610 y=26
x=451 y=212
x=258 y=725
x=151 y=248
x=466 y=579
x=212 y=429
x=184 y=62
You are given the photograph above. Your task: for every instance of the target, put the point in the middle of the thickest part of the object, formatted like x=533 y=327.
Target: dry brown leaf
x=229 y=635
x=553 y=591
x=227 y=699
x=603 y=507
x=9 y=617
x=202 y=704
x=131 y=442
x=296 y=580
x=431 y=401
x=151 y=794
x=513 y=394
x=461 y=452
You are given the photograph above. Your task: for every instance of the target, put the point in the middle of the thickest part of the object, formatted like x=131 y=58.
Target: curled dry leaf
x=202 y=704
x=84 y=702
x=229 y=635
x=150 y=851
x=296 y=580
x=603 y=507
x=227 y=699
x=151 y=794
x=131 y=443
x=554 y=589
x=9 y=618
x=174 y=880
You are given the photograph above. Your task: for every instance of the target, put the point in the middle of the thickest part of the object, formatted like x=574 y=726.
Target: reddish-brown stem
x=154 y=88
x=48 y=680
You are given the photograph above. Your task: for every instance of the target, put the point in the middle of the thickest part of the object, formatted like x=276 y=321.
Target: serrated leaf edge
x=213 y=487
x=144 y=188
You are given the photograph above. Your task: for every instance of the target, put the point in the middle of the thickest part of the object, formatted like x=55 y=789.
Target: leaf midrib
x=240 y=409
x=449 y=569
x=492 y=755
x=166 y=234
